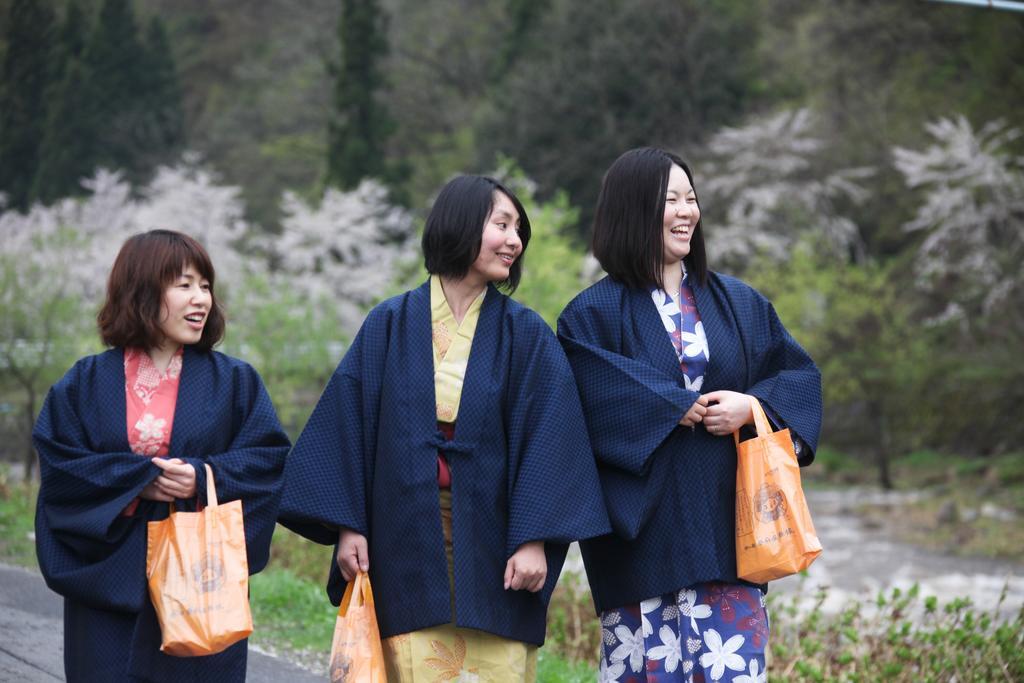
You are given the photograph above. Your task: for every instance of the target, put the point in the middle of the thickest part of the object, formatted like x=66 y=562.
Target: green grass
x=551 y=667
x=877 y=640
x=290 y=611
x=17 y=528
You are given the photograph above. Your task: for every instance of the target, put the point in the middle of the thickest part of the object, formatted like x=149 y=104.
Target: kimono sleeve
x=326 y=473
x=252 y=468
x=554 y=492
x=630 y=406
x=86 y=548
x=788 y=383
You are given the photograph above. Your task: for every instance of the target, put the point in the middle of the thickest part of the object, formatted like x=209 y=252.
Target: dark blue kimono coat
x=95 y=557
x=521 y=467
x=670 y=490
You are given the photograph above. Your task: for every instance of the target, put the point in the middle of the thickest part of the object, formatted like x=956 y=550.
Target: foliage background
x=860 y=162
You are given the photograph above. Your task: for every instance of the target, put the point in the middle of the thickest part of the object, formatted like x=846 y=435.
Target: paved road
x=31 y=636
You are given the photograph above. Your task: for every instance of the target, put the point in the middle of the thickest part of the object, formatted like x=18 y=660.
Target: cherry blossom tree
x=767 y=184
x=346 y=251
x=971 y=217
x=335 y=260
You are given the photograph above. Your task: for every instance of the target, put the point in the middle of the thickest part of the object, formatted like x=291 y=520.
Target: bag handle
x=761 y=423
x=211 y=489
x=358 y=590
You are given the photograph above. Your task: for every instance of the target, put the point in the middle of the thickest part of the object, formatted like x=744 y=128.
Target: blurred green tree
x=863 y=333
x=163 y=122
x=28 y=70
x=604 y=76
x=359 y=125
x=116 y=80
x=68 y=151
x=71 y=42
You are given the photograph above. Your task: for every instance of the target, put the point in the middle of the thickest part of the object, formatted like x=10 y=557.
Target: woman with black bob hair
x=448 y=455
x=666 y=355
x=109 y=464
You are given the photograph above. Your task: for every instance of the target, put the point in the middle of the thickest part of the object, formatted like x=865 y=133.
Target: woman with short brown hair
x=109 y=464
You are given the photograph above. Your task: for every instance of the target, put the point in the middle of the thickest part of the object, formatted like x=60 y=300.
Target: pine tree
x=163 y=128
x=71 y=40
x=359 y=126
x=115 y=65
x=69 y=148
x=27 y=73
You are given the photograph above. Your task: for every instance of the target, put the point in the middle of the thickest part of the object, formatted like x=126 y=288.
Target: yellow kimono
x=446 y=652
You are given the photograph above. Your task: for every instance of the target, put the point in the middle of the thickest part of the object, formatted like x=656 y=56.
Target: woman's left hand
x=527 y=568
x=727 y=412
x=178 y=479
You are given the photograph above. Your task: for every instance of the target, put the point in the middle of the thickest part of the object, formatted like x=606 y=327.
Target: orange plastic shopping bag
x=199 y=577
x=356 y=655
x=774 y=533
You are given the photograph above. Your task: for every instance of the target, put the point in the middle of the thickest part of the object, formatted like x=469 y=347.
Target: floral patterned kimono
x=150 y=398
x=446 y=652
x=706 y=632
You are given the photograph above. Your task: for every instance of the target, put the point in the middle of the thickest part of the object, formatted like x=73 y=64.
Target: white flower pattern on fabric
x=696 y=342
x=150 y=398
x=632 y=646
x=671 y=650
x=688 y=607
x=754 y=676
x=668 y=308
x=693 y=385
x=149 y=378
x=682 y=322
x=646 y=607
x=150 y=427
x=610 y=672
x=720 y=656
x=607 y=621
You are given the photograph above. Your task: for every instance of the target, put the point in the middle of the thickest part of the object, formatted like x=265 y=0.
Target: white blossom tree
x=765 y=186
x=972 y=220
x=336 y=259
x=346 y=251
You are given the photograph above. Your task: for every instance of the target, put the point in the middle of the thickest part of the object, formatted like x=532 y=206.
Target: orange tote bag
x=356 y=654
x=774 y=533
x=199 y=577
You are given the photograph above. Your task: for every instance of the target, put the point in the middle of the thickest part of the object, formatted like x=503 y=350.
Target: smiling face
x=185 y=306
x=500 y=244
x=680 y=218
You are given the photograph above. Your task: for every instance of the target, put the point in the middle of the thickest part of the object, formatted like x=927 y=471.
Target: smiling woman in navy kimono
x=128 y=431
x=666 y=354
x=448 y=455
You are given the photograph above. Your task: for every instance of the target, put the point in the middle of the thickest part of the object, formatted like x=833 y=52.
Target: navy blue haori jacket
x=94 y=556
x=669 y=489
x=521 y=467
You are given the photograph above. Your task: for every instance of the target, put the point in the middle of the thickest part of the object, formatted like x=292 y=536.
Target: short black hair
x=455 y=227
x=628 y=223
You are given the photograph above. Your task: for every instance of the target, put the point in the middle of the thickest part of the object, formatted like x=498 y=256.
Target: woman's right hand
x=152 y=491
x=353 y=553
x=696 y=412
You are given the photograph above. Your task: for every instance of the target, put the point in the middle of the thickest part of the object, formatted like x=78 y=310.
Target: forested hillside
x=859 y=160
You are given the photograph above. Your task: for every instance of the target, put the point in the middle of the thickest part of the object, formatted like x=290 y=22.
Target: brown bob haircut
x=628 y=223
x=147 y=264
